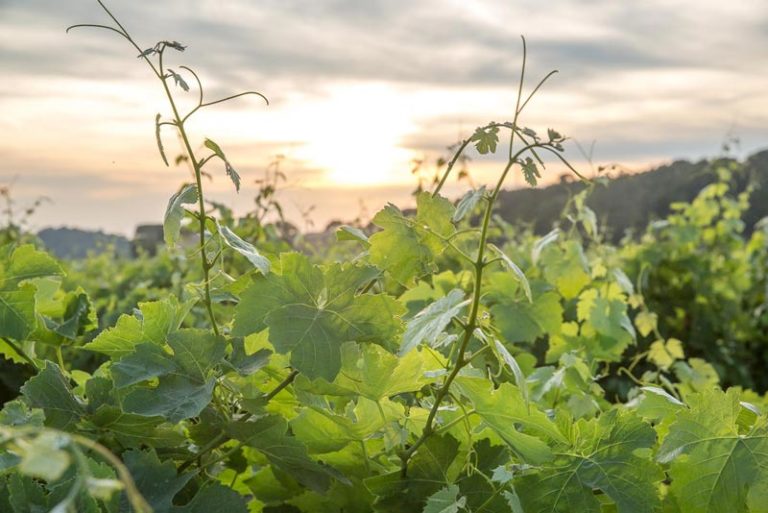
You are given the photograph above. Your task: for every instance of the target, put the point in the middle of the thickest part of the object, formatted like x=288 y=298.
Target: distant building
x=147 y=239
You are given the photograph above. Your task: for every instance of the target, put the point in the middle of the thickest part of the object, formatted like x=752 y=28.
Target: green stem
x=196 y=166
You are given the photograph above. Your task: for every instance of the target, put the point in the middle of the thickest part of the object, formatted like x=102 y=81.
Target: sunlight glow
x=355 y=136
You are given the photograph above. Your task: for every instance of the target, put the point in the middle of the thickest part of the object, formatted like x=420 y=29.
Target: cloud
x=648 y=80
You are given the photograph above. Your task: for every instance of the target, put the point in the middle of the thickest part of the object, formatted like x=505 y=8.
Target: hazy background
x=358 y=89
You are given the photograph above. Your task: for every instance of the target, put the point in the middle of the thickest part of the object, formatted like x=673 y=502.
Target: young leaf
x=467 y=203
x=519 y=274
x=485 y=140
x=346 y=232
x=179 y=80
x=446 y=500
x=175 y=212
x=507 y=357
x=429 y=324
x=231 y=173
x=530 y=171
x=542 y=243
x=246 y=249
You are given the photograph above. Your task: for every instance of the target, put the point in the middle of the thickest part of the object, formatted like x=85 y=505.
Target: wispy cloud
x=374 y=83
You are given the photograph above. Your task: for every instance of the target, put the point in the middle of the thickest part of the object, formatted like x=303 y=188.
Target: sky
x=357 y=90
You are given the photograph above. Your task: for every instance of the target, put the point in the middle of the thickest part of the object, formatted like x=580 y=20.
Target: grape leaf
x=430 y=323
x=601 y=458
x=503 y=409
x=231 y=173
x=269 y=435
x=17 y=297
x=174 y=213
x=157 y=481
x=485 y=140
x=446 y=500
x=406 y=248
x=467 y=203
x=428 y=472
x=185 y=382
x=214 y=497
x=371 y=371
x=311 y=311
x=49 y=390
x=246 y=249
x=156 y=319
x=521 y=321
x=714 y=467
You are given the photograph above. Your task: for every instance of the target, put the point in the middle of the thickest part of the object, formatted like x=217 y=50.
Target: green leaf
x=175 y=398
x=231 y=173
x=714 y=468
x=371 y=371
x=467 y=203
x=311 y=311
x=346 y=232
x=78 y=317
x=246 y=364
x=428 y=472
x=269 y=435
x=518 y=273
x=406 y=248
x=566 y=267
x=445 y=501
x=603 y=457
x=485 y=140
x=26 y=495
x=246 y=249
x=521 y=321
x=503 y=409
x=430 y=323
x=132 y=430
x=157 y=481
x=214 y=497
x=155 y=320
x=174 y=213
x=44 y=458
x=530 y=171
x=50 y=391
x=16 y=413
x=146 y=362
x=179 y=80
x=17 y=295
x=185 y=386
x=507 y=358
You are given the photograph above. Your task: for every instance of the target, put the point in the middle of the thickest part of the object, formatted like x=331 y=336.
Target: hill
x=72 y=243
x=629 y=202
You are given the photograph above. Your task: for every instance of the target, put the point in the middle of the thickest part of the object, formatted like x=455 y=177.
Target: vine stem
x=479 y=266
x=197 y=167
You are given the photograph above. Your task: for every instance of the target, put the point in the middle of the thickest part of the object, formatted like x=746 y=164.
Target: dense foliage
x=445 y=362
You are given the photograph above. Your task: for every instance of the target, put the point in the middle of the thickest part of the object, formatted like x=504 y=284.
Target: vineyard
x=437 y=361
